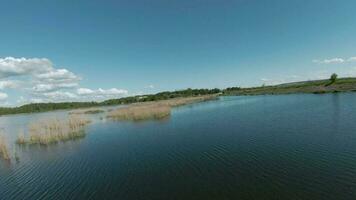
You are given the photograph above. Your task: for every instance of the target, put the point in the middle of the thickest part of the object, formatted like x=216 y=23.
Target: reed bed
x=140 y=112
x=86 y=111
x=153 y=110
x=48 y=131
x=4 y=151
x=187 y=100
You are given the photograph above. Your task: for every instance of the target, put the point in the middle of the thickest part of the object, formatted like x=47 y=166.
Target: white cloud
x=60 y=95
x=281 y=80
x=46 y=87
x=40 y=81
x=264 y=79
x=329 y=61
x=56 y=75
x=3 y=96
x=85 y=91
x=39 y=72
x=10 y=66
x=101 y=93
x=36 y=100
x=335 y=60
x=351 y=59
x=11 y=84
x=150 y=86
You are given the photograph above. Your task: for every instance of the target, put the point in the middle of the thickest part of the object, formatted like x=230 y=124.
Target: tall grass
x=140 y=112
x=4 y=152
x=21 y=137
x=48 y=131
x=186 y=100
x=86 y=111
x=154 y=109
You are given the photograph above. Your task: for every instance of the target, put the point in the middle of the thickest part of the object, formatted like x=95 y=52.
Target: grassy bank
x=316 y=87
x=154 y=109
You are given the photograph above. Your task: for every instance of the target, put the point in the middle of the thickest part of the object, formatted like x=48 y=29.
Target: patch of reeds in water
x=86 y=111
x=4 y=151
x=140 y=112
x=155 y=109
x=48 y=131
x=186 y=100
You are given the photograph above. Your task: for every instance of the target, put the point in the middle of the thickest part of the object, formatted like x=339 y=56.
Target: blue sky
x=81 y=50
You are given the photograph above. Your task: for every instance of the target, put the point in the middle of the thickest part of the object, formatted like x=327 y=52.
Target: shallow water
x=252 y=147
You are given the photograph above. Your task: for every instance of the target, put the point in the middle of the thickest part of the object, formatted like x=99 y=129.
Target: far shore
x=311 y=87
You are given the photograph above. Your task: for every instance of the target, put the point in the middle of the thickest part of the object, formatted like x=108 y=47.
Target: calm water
x=256 y=147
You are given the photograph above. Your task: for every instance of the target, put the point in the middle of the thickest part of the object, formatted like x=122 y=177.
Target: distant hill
x=315 y=86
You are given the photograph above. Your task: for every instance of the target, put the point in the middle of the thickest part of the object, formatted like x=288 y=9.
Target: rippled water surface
x=253 y=147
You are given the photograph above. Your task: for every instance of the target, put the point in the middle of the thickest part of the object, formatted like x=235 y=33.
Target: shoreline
x=303 y=87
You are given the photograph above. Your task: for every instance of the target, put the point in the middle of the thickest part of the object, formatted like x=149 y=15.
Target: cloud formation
x=334 y=60
x=351 y=59
x=3 y=96
x=150 y=86
x=10 y=66
x=101 y=93
x=329 y=61
x=9 y=84
x=41 y=81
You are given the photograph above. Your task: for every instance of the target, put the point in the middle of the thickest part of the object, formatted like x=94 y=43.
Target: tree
x=333 y=78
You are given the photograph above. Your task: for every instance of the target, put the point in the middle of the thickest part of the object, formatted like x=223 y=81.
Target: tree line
x=43 y=107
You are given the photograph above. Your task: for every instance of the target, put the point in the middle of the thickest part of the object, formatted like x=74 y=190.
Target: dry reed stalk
x=140 y=112
x=50 y=131
x=187 y=100
x=21 y=138
x=4 y=152
x=155 y=109
x=86 y=111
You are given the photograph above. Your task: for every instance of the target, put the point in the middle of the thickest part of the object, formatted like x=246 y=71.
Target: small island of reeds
x=154 y=110
x=86 y=111
x=49 y=131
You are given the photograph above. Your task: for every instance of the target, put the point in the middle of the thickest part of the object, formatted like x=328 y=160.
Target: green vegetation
x=334 y=84
x=44 y=107
x=333 y=78
x=161 y=96
x=331 y=85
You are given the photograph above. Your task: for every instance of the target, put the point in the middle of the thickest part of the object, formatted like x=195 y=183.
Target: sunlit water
x=253 y=147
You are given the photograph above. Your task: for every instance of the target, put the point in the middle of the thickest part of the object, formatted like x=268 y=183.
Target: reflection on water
x=252 y=147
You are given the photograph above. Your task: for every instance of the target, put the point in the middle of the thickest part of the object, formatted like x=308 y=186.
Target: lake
x=245 y=147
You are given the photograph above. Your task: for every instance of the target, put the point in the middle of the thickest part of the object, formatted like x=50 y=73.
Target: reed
x=140 y=112
x=86 y=111
x=21 y=138
x=154 y=109
x=187 y=100
x=4 y=152
x=49 y=131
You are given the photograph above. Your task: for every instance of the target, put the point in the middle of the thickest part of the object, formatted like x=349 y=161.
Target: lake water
x=249 y=147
